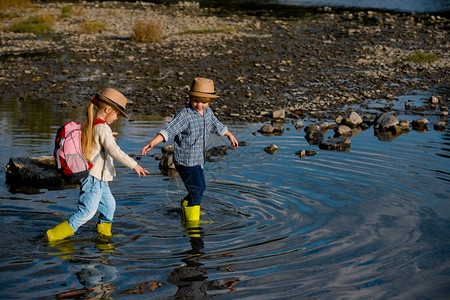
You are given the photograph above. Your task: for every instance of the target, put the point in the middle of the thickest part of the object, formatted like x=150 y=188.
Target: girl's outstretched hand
x=141 y=170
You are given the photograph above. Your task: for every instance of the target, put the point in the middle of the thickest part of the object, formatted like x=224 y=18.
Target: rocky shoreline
x=314 y=68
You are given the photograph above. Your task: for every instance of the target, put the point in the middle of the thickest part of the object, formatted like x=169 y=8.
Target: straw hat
x=114 y=98
x=202 y=87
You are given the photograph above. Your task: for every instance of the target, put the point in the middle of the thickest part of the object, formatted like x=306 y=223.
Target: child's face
x=199 y=106
x=111 y=116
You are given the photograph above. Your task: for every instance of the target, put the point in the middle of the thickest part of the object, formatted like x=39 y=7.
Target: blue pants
x=194 y=181
x=94 y=195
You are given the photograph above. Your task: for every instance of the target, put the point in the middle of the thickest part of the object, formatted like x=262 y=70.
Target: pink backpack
x=68 y=153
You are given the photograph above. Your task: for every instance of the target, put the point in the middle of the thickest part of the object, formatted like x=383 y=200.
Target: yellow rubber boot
x=191 y=213
x=104 y=229
x=59 y=232
x=191 y=220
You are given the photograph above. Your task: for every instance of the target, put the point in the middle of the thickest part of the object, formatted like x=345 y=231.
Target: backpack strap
x=97 y=156
x=58 y=159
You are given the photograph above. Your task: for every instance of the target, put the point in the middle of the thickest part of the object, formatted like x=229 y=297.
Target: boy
x=190 y=129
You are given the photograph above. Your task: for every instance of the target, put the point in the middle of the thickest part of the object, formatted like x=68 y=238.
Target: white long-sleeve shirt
x=104 y=139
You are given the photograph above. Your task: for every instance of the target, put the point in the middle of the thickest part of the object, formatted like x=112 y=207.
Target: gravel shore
x=317 y=66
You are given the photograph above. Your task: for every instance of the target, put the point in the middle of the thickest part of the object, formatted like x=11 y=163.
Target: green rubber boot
x=59 y=232
x=104 y=229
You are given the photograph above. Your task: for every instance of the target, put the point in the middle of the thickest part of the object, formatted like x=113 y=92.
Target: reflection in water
x=64 y=249
x=96 y=274
x=191 y=279
x=144 y=288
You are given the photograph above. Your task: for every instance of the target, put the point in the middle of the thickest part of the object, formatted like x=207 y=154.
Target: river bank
x=315 y=67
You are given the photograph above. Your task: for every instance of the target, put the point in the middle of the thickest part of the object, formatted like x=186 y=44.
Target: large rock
x=279 y=114
x=387 y=127
x=311 y=127
x=440 y=126
x=271 y=149
x=404 y=124
x=337 y=144
x=217 y=152
x=166 y=164
x=30 y=174
x=314 y=137
x=420 y=124
x=385 y=122
x=267 y=129
x=34 y=170
x=433 y=100
x=342 y=131
x=324 y=125
x=278 y=126
x=299 y=125
x=353 y=119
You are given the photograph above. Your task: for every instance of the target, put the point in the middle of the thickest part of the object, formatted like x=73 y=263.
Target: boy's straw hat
x=202 y=87
x=114 y=98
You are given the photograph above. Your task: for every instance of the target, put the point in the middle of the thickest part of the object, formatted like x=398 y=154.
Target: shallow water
x=418 y=6
x=371 y=223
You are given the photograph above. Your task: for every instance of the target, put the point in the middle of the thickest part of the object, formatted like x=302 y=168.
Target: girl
x=99 y=149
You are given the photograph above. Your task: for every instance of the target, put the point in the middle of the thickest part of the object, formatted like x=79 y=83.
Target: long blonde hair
x=87 y=129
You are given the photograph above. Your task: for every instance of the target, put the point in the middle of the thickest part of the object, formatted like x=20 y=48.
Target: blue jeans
x=94 y=195
x=194 y=181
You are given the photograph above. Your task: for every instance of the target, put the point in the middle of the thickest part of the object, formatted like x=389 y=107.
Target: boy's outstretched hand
x=158 y=139
x=147 y=148
x=232 y=139
x=140 y=170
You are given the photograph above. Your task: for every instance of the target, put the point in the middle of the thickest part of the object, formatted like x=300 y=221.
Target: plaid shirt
x=190 y=131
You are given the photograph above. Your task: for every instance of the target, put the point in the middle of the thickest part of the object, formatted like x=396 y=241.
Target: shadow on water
x=367 y=222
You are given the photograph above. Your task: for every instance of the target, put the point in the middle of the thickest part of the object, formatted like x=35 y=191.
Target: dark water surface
x=293 y=6
x=372 y=223
x=399 y=5
x=394 y=5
